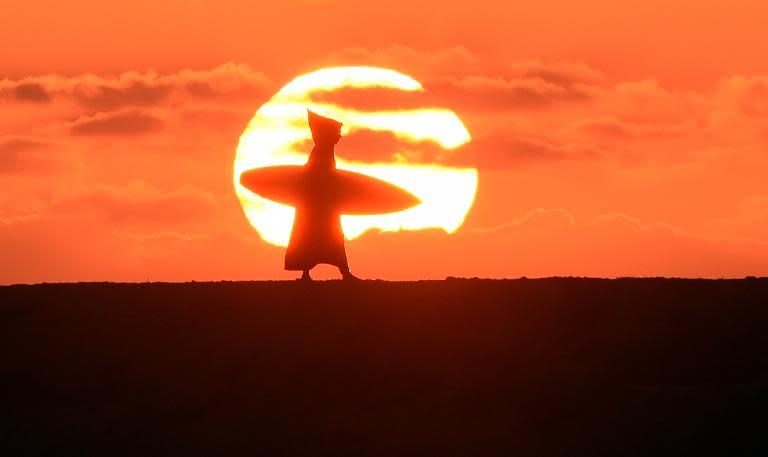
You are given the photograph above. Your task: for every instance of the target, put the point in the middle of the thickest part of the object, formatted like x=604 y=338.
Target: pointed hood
x=323 y=128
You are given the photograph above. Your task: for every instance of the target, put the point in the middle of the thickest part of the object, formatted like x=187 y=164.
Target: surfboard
x=345 y=191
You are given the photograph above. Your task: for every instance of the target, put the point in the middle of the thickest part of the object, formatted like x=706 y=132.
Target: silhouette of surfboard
x=346 y=191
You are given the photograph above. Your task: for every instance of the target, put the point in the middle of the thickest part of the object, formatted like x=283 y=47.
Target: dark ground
x=434 y=368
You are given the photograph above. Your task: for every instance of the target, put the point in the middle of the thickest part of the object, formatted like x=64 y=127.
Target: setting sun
x=275 y=135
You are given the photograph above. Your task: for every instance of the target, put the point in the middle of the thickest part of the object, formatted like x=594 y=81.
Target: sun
x=279 y=127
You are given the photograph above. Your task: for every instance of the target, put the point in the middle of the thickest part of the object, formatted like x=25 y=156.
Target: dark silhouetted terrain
x=434 y=368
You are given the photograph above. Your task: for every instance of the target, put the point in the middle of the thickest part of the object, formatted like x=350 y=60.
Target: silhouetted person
x=316 y=236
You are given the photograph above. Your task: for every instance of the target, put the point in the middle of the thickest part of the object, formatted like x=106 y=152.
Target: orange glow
x=279 y=127
x=610 y=138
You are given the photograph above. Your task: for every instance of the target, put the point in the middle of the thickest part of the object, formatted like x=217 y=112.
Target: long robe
x=316 y=235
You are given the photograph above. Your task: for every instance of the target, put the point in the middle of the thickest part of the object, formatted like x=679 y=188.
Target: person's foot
x=348 y=276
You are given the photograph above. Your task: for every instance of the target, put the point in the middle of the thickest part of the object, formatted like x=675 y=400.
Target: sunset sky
x=611 y=138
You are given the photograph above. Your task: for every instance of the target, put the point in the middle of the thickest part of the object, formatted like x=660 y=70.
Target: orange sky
x=611 y=138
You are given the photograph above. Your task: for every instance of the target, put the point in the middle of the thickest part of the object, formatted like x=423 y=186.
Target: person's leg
x=345 y=273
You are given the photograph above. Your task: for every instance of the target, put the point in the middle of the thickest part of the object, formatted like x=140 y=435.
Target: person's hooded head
x=325 y=131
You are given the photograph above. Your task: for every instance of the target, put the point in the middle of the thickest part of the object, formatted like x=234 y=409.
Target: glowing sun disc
x=280 y=126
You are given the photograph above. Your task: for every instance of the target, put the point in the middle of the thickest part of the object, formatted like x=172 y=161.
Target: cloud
x=551 y=242
x=456 y=77
x=137 y=203
x=377 y=99
x=483 y=93
x=381 y=146
x=541 y=242
x=131 y=232
x=460 y=61
x=73 y=248
x=21 y=154
x=611 y=127
x=749 y=219
x=31 y=92
x=746 y=94
x=496 y=151
x=544 y=134
x=563 y=73
x=646 y=101
x=234 y=82
x=503 y=150
x=752 y=216
x=469 y=93
x=15 y=144
x=109 y=96
x=229 y=81
x=116 y=123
